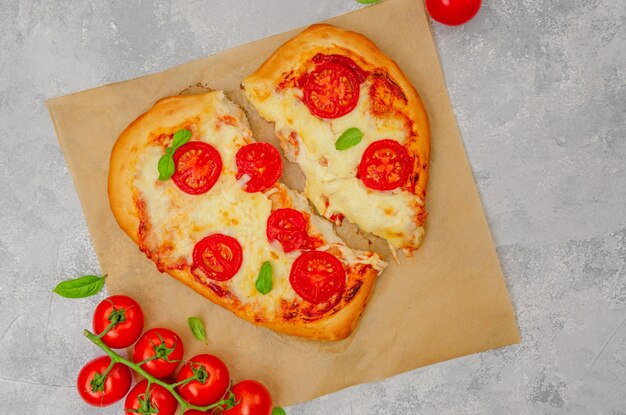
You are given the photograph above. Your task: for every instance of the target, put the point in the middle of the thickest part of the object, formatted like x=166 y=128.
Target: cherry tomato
x=198 y=165
x=130 y=325
x=97 y=390
x=287 y=226
x=210 y=387
x=260 y=161
x=158 y=400
x=159 y=342
x=453 y=12
x=385 y=165
x=218 y=256
x=317 y=276
x=195 y=412
x=331 y=90
x=253 y=398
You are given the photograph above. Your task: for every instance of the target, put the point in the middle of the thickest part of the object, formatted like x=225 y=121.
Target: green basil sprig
x=349 y=138
x=80 y=287
x=197 y=328
x=264 y=280
x=278 y=411
x=367 y=1
x=166 y=162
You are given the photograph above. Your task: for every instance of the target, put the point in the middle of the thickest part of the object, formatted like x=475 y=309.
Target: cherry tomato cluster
x=202 y=383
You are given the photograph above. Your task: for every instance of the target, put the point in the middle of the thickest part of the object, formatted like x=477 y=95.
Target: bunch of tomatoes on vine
x=198 y=385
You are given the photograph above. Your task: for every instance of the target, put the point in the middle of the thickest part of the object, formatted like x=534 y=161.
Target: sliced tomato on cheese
x=331 y=89
x=218 y=256
x=317 y=276
x=197 y=167
x=262 y=163
x=385 y=165
x=287 y=226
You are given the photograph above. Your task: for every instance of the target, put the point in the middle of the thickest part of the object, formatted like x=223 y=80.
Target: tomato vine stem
x=171 y=388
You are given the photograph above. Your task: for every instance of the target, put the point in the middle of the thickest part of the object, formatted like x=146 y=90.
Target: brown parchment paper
x=449 y=300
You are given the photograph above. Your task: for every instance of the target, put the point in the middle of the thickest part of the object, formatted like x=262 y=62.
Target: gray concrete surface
x=539 y=88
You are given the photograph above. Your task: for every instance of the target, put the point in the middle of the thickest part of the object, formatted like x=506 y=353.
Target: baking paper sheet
x=449 y=300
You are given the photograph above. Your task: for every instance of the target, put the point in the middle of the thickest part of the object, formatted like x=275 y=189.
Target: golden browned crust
x=329 y=39
x=165 y=117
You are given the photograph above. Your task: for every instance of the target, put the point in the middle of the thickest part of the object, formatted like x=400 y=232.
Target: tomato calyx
x=199 y=373
x=145 y=404
x=161 y=351
x=97 y=383
x=118 y=315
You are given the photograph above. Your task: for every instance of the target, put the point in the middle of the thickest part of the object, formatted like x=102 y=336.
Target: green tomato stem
x=171 y=388
x=112 y=324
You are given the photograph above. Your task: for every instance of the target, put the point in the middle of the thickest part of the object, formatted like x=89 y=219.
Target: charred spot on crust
x=352 y=291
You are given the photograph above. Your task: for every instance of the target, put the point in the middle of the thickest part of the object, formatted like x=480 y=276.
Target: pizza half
x=350 y=118
x=188 y=183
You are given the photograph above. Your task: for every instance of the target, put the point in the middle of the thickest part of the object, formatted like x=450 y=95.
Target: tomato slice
x=317 y=276
x=218 y=256
x=198 y=165
x=331 y=90
x=260 y=161
x=385 y=165
x=287 y=226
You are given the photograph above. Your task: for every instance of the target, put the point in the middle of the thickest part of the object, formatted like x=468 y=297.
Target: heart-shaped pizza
x=202 y=199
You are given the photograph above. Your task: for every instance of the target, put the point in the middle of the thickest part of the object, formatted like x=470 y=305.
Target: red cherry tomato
x=260 y=161
x=97 y=390
x=287 y=226
x=159 y=342
x=253 y=398
x=130 y=325
x=331 y=90
x=210 y=387
x=218 y=256
x=158 y=400
x=385 y=165
x=198 y=165
x=195 y=412
x=453 y=12
x=317 y=276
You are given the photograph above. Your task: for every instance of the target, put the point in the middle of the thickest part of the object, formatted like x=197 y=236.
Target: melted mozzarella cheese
x=331 y=182
x=179 y=220
x=184 y=219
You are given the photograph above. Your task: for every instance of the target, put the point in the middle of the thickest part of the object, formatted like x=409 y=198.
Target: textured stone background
x=539 y=89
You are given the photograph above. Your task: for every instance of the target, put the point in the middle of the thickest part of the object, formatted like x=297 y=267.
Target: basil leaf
x=180 y=137
x=264 y=280
x=166 y=167
x=278 y=411
x=197 y=329
x=349 y=138
x=367 y=1
x=80 y=287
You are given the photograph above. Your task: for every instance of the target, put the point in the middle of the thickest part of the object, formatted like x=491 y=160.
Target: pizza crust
x=168 y=114
x=329 y=39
